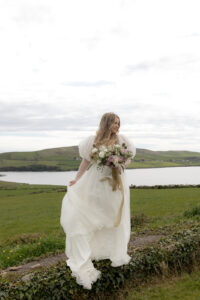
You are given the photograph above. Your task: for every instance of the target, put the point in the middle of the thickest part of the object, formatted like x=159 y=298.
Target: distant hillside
x=67 y=158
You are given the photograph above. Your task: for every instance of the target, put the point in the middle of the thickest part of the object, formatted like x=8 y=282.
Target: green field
x=67 y=158
x=29 y=221
x=30 y=214
x=186 y=287
x=164 y=206
x=30 y=227
x=27 y=208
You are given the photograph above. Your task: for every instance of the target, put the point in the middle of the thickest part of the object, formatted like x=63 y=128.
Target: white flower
x=94 y=150
x=102 y=148
x=117 y=146
x=102 y=154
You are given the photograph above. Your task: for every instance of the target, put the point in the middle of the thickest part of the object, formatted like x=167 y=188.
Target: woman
x=90 y=208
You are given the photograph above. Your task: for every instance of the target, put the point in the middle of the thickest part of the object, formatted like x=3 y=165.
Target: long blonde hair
x=104 y=135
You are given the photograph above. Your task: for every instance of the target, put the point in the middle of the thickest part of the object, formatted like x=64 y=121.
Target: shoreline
x=131 y=186
x=157 y=167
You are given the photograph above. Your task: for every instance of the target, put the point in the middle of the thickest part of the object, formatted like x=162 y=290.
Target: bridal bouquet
x=114 y=156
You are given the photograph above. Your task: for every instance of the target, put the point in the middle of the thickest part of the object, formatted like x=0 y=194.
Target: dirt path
x=134 y=243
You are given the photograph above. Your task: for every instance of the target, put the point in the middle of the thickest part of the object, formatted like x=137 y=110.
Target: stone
x=14 y=268
x=27 y=277
x=3 y=274
x=35 y=266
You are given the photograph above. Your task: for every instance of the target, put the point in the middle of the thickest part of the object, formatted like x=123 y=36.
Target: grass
x=28 y=209
x=164 y=206
x=30 y=228
x=29 y=222
x=30 y=214
x=186 y=287
x=154 y=164
x=20 y=251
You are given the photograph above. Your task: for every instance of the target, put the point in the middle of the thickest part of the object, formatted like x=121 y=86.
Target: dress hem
x=90 y=275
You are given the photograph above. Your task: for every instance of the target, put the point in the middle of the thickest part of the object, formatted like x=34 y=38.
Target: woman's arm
x=82 y=168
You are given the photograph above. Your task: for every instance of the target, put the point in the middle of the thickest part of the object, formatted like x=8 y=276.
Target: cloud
x=163 y=63
x=92 y=42
x=66 y=63
x=32 y=13
x=23 y=117
x=100 y=83
x=140 y=118
x=192 y=35
x=65 y=115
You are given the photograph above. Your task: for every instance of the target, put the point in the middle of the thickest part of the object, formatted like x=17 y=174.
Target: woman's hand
x=82 y=168
x=72 y=182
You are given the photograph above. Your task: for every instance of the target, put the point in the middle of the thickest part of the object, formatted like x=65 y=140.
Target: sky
x=63 y=64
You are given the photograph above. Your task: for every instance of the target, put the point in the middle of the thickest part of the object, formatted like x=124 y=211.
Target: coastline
x=67 y=170
x=132 y=186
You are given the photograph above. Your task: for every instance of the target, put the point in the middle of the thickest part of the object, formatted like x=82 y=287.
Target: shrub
x=139 y=220
x=169 y=186
x=175 y=254
x=192 y=212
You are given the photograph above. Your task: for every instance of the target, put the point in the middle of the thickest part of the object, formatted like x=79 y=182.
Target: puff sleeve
x=85 y=147
x=129 y=143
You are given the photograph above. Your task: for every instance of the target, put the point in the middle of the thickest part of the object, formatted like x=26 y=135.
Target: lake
x=151 y=176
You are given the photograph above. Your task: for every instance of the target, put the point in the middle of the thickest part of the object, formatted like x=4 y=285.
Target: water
x=154 y=176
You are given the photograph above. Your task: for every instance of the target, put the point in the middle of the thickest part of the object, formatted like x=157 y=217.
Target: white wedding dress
x=89 y=211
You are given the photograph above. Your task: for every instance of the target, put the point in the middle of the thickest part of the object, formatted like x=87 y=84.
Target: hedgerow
x=170 y=255
x=168 y=186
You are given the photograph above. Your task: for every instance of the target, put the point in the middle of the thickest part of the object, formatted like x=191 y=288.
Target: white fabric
x=88 y=213
x=85 y=147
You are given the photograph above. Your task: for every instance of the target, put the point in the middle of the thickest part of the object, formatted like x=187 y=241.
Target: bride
x=90 y=209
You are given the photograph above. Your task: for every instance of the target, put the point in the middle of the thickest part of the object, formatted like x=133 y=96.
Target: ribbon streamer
x=116 y=183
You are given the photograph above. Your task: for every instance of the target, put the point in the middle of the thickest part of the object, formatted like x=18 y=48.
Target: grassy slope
x=63 y=158
x=67 y=158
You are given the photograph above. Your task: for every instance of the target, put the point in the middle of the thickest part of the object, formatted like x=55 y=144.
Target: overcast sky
x=64 y=63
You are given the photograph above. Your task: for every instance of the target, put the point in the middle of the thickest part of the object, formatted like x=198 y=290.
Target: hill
x=67 y=158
